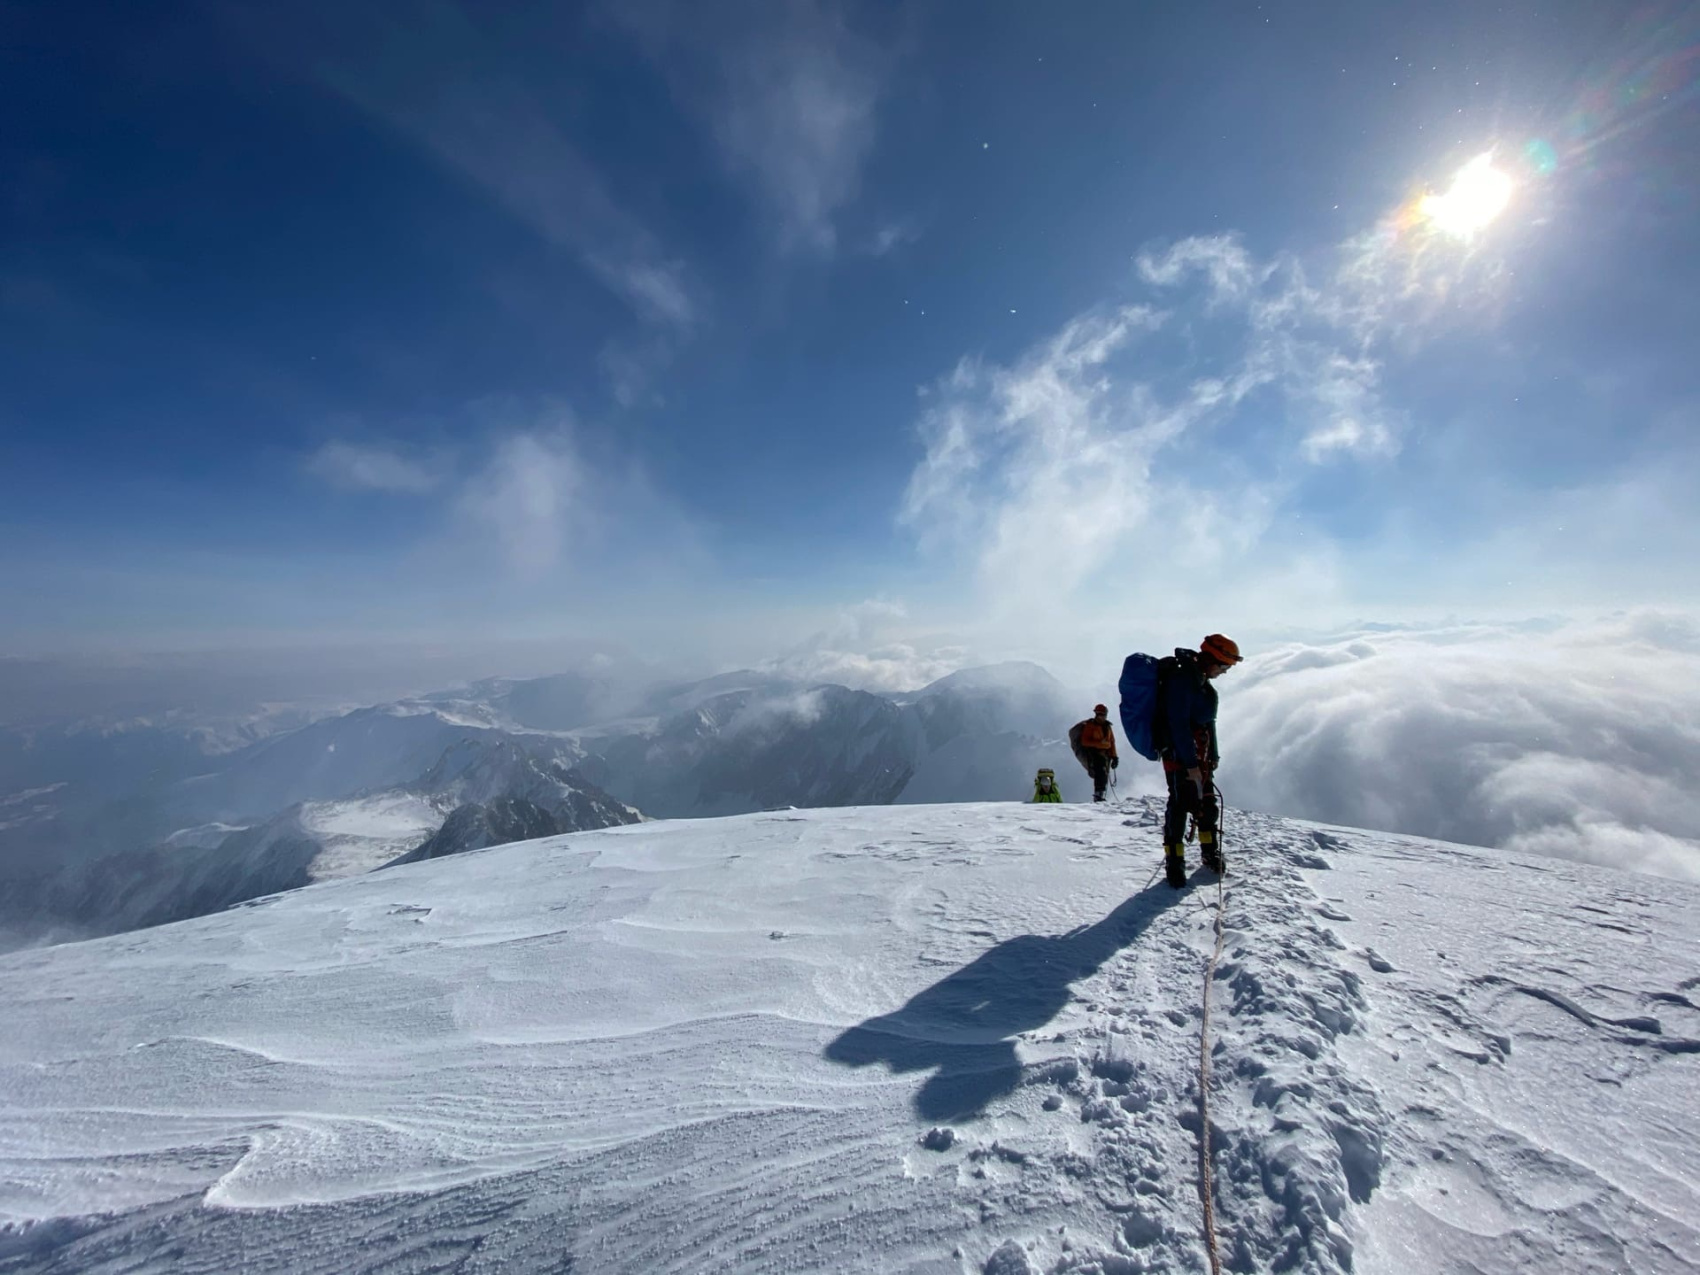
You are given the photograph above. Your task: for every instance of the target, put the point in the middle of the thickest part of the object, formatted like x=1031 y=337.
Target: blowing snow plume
x=1577 y=741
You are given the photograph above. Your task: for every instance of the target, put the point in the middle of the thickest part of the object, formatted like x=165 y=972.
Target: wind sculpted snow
x=963 y=1029
x=940 y=1039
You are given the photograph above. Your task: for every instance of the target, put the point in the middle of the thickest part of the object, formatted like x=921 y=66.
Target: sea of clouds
x=1579 y=740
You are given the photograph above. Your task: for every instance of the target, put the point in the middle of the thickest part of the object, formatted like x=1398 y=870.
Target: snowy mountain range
x=932 y=1039
x=474 y=787
x=499 y=760
x=747 y=742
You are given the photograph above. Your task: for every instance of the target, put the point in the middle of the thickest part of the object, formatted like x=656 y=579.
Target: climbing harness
x=1206 y=1187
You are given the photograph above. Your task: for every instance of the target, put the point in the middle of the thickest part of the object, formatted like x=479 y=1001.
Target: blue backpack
x=1141 y=688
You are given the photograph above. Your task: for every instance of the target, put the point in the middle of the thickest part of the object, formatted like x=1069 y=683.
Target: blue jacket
x=1188 y=707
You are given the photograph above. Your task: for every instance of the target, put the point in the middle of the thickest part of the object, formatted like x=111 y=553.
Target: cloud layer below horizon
x=1575 y=740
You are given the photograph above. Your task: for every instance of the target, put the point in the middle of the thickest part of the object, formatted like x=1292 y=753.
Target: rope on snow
x=1206 y=1187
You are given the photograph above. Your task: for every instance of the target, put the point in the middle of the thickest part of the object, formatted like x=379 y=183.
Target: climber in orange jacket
x=1094 y=744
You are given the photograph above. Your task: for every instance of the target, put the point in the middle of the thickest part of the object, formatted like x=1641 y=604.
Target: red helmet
x=1099 y=708
x=1221 y=649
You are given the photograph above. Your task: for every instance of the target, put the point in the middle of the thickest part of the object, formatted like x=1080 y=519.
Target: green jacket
x=1054 y=795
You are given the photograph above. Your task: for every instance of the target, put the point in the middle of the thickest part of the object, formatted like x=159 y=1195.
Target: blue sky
x=806 y=325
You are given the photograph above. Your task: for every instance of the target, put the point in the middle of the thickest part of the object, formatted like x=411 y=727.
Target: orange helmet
x=1221 y=649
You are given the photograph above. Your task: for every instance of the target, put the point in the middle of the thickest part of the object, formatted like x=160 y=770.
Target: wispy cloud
x=531 y=497
x=1346 y=413
x=501 y=135
x=443 y=80
x=553 y=500
x=1025 y=461
x=657 y=289
x=796 y=111
x=1315 y=342
x=890 y=237
x=869 y=646
x=1056 y=473
x=633 y=369
x=358 y=467
x=1223 y=259
x=1179 y=429
x=533 y=494
x=790 y=94
x=505 y=143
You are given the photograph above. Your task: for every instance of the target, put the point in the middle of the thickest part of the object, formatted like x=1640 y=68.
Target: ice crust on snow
x=927 y=1039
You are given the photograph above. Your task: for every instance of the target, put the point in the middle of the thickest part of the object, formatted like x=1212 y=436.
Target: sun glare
x=1479 y=193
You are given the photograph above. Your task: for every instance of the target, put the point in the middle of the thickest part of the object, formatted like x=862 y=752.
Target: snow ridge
x=944 y=1039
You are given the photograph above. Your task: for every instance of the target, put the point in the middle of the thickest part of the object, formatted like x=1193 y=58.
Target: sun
x=1479 y=193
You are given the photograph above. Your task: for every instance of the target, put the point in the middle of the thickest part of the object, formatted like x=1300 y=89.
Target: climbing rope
x=1206 y=1188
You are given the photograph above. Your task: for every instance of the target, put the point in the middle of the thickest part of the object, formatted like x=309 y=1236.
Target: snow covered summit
x=929 y=1039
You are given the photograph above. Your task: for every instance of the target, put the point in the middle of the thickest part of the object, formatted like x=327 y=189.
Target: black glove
x=1114 y=762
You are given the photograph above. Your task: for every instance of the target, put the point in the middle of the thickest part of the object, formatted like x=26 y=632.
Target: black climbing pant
x=1184 y=800
x=1098 y=766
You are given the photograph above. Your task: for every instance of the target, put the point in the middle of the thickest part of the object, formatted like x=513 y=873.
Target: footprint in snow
x=1377 y=962
x=1009 y=1259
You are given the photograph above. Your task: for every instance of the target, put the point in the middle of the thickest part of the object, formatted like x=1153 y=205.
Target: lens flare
x=1479 y=193
x=1541 y=156
x=1627 y=131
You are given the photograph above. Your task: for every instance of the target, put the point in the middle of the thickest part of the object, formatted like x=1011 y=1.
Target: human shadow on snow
x=962 y=1027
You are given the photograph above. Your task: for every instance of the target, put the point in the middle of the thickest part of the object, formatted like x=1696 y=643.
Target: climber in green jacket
x=1045 y=786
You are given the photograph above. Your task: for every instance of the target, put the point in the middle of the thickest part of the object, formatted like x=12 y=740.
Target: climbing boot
x=1174 y=865
x=1211 y=853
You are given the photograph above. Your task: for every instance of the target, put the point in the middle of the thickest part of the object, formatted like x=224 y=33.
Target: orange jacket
x=1094 y=735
